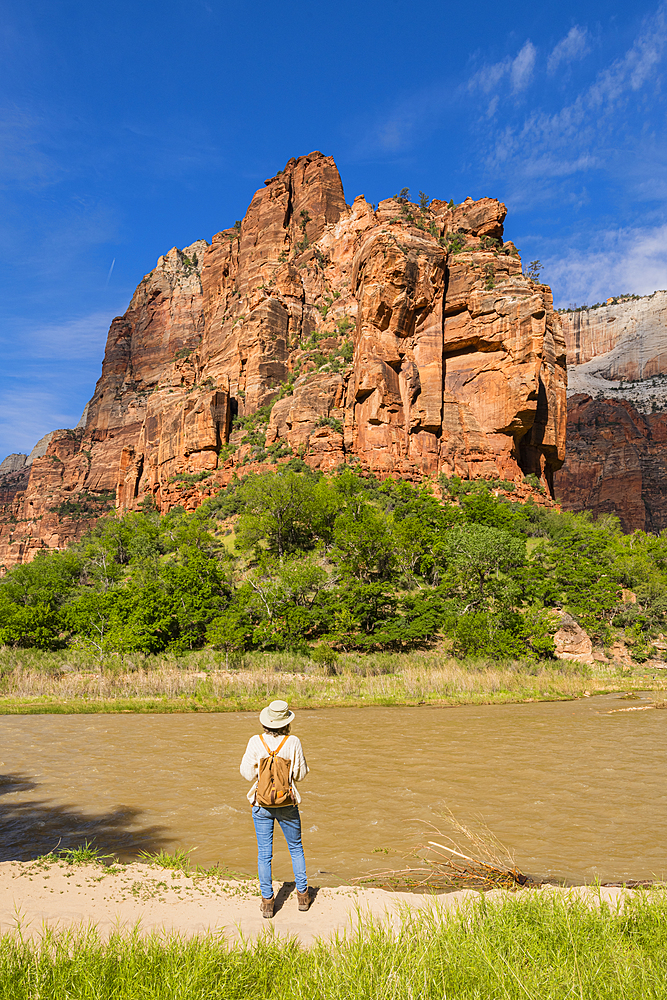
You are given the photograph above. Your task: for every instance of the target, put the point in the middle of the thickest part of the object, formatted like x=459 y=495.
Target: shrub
x=326 y=656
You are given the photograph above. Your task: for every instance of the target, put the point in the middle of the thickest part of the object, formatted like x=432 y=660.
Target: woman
x=276 y=739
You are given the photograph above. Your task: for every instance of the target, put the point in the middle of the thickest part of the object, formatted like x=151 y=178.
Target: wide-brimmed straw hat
x=276 y=715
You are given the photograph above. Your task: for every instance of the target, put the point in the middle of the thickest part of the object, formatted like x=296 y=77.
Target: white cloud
x=48 y=375
x=27 y=414
x=395 y=131
x=547 y=165
x=522 y=67
x=621 y=261
x=573 y=46
x=77 y=340
x=638 y=64
x=584 y=131
x=519 y=71
x=489 y=77
x=582 y=135
x=23 y=162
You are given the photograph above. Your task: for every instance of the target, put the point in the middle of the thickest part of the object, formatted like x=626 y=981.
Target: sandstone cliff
x=616 y=458
x=13 y=463
x=619 y=349
x=402 y=337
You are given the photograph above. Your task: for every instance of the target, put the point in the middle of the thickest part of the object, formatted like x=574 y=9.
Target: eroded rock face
x=13 y=463
x=13 y=482
x=396 y=393
x=459 y=360
x=616 y=463
x=616 y=458
x=623 y=341
x=406 y=338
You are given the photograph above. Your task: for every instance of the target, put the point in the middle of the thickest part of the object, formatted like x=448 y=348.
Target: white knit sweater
x=291 y=751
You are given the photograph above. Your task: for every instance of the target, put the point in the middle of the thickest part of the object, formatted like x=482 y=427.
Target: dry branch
x=488 y=864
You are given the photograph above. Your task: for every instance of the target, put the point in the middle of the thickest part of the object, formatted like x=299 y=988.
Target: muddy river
x=577 y=790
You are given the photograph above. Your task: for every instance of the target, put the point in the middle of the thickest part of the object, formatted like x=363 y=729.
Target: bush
x=295 y=560
x=327 y=657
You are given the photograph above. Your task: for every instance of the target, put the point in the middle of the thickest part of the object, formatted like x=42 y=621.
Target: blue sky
x=132 y=127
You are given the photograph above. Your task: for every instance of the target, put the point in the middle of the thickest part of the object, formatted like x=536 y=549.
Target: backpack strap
x=272 y=753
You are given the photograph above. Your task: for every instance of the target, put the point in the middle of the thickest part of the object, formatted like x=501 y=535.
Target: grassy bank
x=69 y=682
x=528 y=947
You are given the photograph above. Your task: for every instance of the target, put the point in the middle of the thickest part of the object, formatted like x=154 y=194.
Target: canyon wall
x=616 y=459
x=402 y=337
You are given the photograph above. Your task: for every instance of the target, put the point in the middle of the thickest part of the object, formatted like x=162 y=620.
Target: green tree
x=29 y=625
x=412 y=540
x=364 y=545
x=369 y=604
x=197 y=590
x=573 y=568
x=276 y=585
x=327 y=656
x=131 y=619
x=475 y=553
x=231 y=632
x=48 y=579
x=417 y=622
x=32 y=597
x=284 y=510
x=534 y=270
x=347 y=560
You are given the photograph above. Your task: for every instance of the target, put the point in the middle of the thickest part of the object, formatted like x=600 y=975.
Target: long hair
x=278 y=732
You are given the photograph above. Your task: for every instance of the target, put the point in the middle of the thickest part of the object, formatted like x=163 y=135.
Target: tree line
x=299 y=560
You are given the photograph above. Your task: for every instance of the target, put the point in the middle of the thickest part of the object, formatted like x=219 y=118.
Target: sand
x=52 y=894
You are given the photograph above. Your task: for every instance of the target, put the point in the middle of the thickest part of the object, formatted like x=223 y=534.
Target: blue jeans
x=290 y=823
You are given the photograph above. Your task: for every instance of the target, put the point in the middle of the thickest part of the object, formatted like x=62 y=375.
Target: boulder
x=572 y=642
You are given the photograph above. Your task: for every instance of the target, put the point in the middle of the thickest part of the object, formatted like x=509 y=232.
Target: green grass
x=178 y=861
x=537 y=947
x=66 y=682
x=182 y=862
x=85 y=854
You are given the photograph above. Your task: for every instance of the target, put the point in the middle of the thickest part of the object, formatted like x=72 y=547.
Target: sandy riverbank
x=56 y=895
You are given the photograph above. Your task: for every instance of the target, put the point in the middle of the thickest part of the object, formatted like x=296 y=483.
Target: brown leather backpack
x=273 y=784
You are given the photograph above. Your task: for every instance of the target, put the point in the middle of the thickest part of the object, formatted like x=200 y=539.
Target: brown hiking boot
x=266 y=907
x=304 y=898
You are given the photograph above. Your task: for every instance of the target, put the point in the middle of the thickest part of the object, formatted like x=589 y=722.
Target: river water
x=577 y=790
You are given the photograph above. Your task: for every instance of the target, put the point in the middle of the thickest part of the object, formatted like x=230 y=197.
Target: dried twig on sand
x=485 y=862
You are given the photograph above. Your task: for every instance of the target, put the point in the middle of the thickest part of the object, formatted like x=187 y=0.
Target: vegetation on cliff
x=302 y=561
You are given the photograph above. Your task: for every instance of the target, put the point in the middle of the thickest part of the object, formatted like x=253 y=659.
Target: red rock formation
x=616 y=430
x=404 y=337
x=14 y=476
x=616 y=463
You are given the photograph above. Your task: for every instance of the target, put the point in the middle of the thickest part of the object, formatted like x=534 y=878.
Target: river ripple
x=577 y=790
